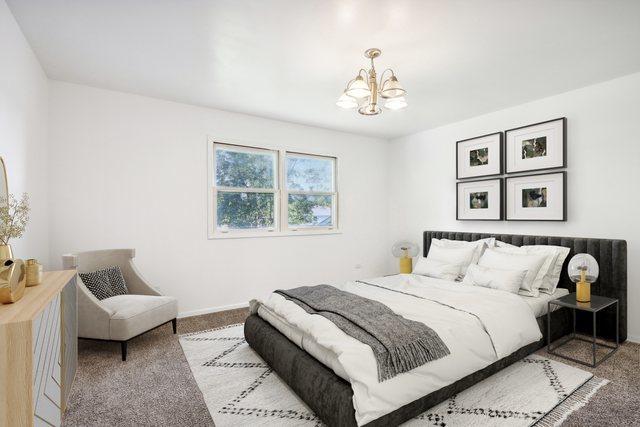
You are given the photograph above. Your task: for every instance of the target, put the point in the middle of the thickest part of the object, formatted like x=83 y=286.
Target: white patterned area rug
x=240 y=389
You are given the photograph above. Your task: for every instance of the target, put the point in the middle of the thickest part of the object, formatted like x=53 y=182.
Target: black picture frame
x=564 y=147
x=502 y=199
x=501 y=134
x=564 y=196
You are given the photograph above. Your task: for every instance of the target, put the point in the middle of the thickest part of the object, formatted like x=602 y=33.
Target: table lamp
x=405 y=251
x=583 y=270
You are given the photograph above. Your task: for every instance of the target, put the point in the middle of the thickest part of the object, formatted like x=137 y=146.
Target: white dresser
x=38 y=352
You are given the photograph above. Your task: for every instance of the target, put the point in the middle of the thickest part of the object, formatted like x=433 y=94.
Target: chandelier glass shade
x=364 y=91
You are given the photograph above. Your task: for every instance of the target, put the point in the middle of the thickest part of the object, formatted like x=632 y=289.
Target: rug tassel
x=577 y=400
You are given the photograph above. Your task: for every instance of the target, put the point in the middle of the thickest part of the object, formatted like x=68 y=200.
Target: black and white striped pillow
x=98 y=283
x=105 y=283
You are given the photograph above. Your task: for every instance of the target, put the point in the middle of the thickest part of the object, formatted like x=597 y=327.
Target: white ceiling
x=290 y=59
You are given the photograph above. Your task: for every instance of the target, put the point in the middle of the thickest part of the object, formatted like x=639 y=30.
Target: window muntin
x=259 y=192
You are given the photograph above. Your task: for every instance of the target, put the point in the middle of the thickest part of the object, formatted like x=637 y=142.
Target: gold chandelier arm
x=382 y=75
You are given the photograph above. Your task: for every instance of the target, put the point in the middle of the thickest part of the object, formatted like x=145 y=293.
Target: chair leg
x=123 y=346
x=174 y=323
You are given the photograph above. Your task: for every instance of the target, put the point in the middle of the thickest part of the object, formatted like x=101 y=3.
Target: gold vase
x=12 y=280
x=34 y=272
x=5 y=252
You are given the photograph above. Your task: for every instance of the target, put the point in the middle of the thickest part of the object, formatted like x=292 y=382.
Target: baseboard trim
x=633 y=338
x=211 y=310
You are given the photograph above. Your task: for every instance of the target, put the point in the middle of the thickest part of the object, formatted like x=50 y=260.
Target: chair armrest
x=137 y=284
x=93 y=318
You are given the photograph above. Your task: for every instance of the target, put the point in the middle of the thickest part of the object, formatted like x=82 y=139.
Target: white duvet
x=478 y=325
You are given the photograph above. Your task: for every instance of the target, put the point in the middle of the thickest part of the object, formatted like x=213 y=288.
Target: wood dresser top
x=35 y=297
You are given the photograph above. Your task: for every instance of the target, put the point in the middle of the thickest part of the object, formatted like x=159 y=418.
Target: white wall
x=131 y=171
x=23 y=132
x=603 y=173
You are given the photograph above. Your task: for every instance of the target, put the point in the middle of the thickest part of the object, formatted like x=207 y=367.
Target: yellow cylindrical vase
x=406 y=266
x=583 y=292
x=34 y=272
x=5 y=252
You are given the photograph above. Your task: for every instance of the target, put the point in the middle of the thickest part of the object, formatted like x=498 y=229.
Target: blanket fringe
x=577 y=400
x=409 y=356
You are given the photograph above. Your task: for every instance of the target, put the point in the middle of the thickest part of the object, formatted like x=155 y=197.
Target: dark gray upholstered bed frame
x=330 y=397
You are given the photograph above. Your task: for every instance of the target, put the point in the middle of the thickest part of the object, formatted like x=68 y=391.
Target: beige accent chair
x=122 y=317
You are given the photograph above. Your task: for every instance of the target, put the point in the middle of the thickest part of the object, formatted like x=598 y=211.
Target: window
x=258 y=191
x=310 y=191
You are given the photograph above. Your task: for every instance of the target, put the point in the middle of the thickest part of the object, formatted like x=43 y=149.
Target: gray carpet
x=155 y=386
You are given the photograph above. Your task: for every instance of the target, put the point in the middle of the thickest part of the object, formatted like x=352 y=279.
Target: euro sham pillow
x=480 y=245
x=552 y=277
x=457 y=256
x=549 y=260
x=438 y=269
x=552 y=268
x=494 y=278
x=493 y=258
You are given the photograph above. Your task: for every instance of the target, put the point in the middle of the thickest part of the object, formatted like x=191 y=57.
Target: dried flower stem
x=14 y=216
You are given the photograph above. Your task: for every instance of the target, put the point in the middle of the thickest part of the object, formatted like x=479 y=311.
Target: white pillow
x=494 y=278
x=552 y=277
x=493 y=258
x=480 y=245
x=438 y=269
x=501 y=244
x=459 y=256
x=550 y=258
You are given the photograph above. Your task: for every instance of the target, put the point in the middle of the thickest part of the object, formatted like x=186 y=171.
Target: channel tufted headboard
x=611 y=255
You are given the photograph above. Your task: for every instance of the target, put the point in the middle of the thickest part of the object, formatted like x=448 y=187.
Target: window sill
x=302 y=232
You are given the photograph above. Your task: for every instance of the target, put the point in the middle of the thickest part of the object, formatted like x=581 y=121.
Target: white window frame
x=286 y=192
x=280 y=192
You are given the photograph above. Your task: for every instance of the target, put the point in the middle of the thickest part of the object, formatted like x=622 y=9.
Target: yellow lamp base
x=583 y=292
x=406 y=265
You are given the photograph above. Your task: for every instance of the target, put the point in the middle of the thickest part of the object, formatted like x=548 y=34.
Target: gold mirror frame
x=4 y=181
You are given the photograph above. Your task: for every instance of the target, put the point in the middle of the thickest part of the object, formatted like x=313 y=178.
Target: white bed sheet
x=539 y=304
x=474 y=333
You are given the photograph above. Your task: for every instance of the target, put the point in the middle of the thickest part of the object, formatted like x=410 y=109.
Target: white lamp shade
x=405 y=249
x=346 y=101
x=396 y=103
x=391 y=88
x=358 y=88
x=583 y=263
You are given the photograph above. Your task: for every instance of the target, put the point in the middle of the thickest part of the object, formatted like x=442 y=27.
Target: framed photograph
x=480 y=200
x=479 y=156
x=537 y=147
x=541 y=197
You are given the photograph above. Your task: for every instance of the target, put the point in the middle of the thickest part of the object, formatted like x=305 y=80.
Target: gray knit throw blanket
x=399 y=345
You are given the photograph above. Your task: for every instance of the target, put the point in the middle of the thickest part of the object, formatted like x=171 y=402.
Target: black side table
x=597 y=304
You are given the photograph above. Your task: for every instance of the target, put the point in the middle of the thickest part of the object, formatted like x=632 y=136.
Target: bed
x=319 y=382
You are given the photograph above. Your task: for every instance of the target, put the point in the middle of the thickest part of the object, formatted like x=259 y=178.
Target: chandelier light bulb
x=391 y=88
x=345 y=101
x=396 y=103
x=358 y=88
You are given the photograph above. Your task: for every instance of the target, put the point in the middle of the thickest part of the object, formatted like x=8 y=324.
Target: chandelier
x=364 y=92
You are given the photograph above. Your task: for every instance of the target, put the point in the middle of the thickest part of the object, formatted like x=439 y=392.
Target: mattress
x=329 y=359
x=469 y=320
x=539 y=305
